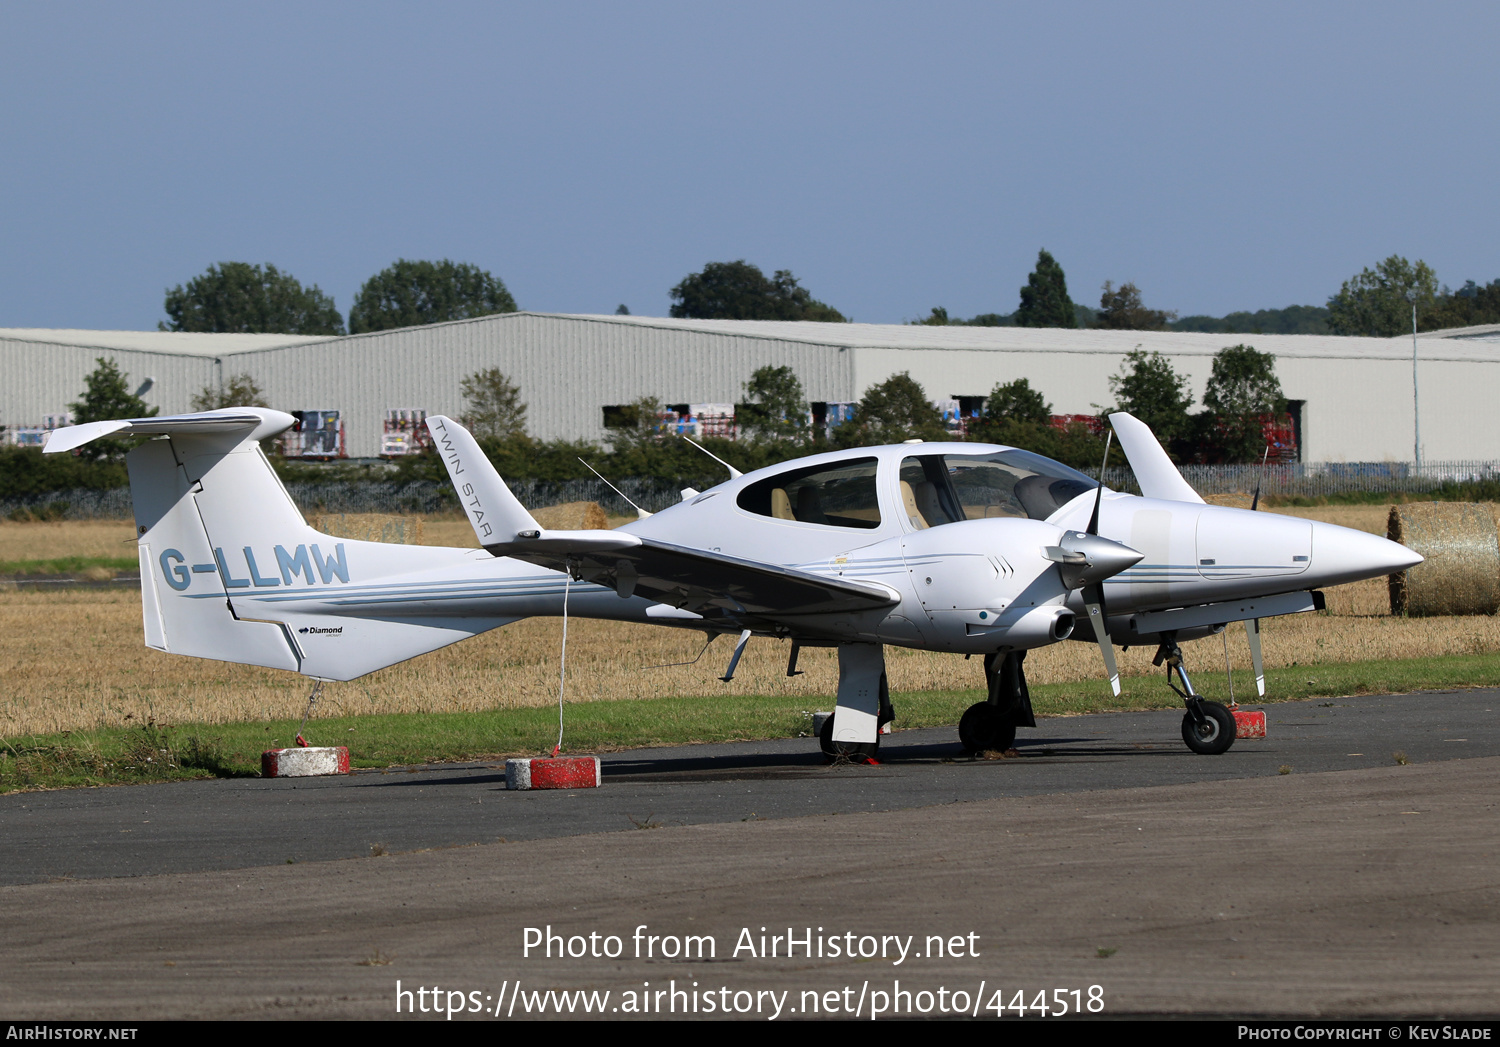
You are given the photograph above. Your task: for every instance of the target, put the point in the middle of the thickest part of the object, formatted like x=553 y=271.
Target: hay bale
x=1461 y=574
x=573 y=516
x=371 y=527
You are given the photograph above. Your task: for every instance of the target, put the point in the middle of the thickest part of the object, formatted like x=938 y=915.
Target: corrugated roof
x=179 y=343
x=1465 y=344
x=1472 y=344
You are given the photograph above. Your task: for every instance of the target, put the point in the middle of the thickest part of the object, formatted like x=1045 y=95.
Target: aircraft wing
x=702 y=581
x=705 y=582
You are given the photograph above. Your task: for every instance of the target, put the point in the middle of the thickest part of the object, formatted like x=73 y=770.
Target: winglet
x=1154 y=471
x=495 y=514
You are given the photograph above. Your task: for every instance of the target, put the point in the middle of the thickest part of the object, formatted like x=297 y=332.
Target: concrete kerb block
x=307 y=762
x=553 y=772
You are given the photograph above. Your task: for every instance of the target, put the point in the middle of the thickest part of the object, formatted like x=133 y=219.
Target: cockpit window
x=839 y=495
x=939 y=489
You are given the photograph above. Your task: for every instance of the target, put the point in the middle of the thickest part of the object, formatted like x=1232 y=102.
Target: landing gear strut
x=864 y=705
x=1207 y=727
x=992 y=724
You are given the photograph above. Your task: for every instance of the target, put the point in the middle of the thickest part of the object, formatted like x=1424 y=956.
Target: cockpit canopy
x=944 y=488
x=935 y=489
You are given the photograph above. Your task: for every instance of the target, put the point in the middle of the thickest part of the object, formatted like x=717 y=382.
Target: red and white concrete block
x=304 y=761
x=553 y=772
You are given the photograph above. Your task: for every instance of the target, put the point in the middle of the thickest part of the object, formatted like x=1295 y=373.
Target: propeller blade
x=1093 y=600
x=1252 y=633
x=1099 y=492
x=1255 y=502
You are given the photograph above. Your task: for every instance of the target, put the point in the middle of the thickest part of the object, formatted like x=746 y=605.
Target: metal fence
x=370 y=496
x=1307 y=480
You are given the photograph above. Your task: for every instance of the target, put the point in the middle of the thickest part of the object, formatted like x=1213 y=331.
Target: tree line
x=237 y=297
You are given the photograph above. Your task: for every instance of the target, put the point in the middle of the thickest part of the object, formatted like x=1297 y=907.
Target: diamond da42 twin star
x=970 y=548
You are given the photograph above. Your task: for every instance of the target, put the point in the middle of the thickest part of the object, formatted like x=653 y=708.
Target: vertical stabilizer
x=1153 y=470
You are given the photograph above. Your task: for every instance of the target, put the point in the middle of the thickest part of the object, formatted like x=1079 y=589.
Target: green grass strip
x=68 y=565
x=153 y=753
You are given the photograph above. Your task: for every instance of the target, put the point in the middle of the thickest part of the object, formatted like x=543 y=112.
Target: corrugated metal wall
x=1359 y=404
x=41 y=378
x=567 y=370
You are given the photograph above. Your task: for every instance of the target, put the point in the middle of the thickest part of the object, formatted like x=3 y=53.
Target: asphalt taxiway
x=1105 y=854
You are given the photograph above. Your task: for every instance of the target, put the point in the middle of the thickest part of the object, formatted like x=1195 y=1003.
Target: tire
x=984 y=727
x=854 y=752
x=1214 y=736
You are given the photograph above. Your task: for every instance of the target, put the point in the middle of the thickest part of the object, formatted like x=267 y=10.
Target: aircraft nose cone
x=1340 y=555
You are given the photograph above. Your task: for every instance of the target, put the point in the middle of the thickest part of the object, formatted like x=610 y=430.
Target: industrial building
x=1352 y=398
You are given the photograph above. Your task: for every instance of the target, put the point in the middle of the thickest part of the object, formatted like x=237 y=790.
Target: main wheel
x=984 y=727
x=1214 y=735
x=853 y=751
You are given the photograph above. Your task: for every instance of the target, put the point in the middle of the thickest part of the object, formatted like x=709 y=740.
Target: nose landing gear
x=1208 y=728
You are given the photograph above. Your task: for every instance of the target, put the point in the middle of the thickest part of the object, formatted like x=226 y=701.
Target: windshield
x=940 y=489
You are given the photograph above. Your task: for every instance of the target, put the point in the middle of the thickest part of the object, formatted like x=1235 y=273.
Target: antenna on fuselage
x=734 y=474
x=640 y=513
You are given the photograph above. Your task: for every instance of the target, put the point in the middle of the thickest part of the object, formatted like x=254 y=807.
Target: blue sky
x=893 y=156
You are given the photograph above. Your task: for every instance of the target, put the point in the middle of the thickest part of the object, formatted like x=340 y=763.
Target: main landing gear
x=991 y=724
x=864 y=705
x=1208 y=728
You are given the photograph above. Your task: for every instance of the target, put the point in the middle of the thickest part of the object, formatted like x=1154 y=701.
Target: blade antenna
x=1263 y=459
x=639 y=512
x=734 y=474
x=1099 y=492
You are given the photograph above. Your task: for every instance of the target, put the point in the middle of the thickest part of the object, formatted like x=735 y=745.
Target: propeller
x=1085 y=560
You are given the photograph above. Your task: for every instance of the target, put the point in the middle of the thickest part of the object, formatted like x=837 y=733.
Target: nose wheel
x=1207 y=727
x=1211 y=735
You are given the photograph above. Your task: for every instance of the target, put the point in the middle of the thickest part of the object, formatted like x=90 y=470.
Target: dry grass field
x=72 y=659
x=111 y=539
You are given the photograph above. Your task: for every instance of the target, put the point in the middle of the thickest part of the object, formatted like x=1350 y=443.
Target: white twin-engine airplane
x=962 y=547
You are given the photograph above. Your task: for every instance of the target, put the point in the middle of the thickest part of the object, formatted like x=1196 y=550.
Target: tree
x=895 y=410
x=1471 y=304
x=107 y=396
x=236 y=297
x=493 y=408
x=777 y=407
x=1122 y=310
x=1376 y=302
x=740 y=291
x=239 y=391
x=409 y=294
x=1155 y=393
x=1017 y=402
x=1044 y=299
x=1242 y=389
